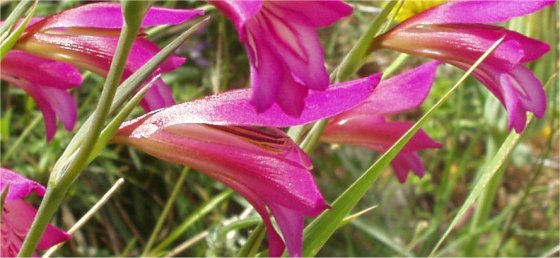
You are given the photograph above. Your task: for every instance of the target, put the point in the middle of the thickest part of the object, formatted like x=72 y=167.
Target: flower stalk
x=61 y=180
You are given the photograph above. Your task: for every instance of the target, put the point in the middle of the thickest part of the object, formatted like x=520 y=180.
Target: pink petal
x=109 y=16
x=63 y=105
x=52 y=102
x=290 y=223
x=297 y=46
x=478 y=11
x=266 y=73
x=405 y=162
x=38 y=70
x=239 y=12
x=518 y=90
x=19 y=185
x=234 y=108
x=291 y=97
x=17 y=218
x=159 y=96
x=400 y=93
x=312 y=13
x=376 y=134
x=529 y=89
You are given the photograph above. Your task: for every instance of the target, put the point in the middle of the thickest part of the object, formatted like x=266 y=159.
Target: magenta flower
x=457 y=34
x=87 y=37
x=222 y=136
x=17 y=215
x=367 y=124
x=47 y=82
x=284 y=51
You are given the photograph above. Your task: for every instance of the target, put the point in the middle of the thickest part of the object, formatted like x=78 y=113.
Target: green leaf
x=355 y=58
x=196 y=215
x=322 y=228
x=494 y=166
x=13 y=37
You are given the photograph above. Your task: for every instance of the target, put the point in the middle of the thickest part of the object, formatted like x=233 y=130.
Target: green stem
x=166 y=210
x=349 y=65
x=312 y=139
x=254 y=242
x=196 y=215
x=61 y=180
x=20 y=139
x=10 y=39
x=395 y=65
x=14 y=16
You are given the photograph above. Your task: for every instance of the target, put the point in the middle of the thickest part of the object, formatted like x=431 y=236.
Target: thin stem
x=84 y=219
x=61 y=180
x=21 y=137
x=14 y=16
x=165 y=211
x=184 y=246
x=395 y=65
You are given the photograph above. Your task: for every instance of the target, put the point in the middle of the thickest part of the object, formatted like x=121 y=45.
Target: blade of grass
x=90 y=213
x=381 y=236
x=21 y=137
x=9 y=42
x=165 y=211
x=321 y=229
x=197 y=215
x=493 y=167
x=14 y=16
x=251 y=248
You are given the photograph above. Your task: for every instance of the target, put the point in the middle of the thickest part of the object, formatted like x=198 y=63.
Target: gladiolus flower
x=222 y=136
x=87 y=37
x=367 y=125
x=457 y=34
x=285 y=53
x=47 y=82
x=18 y=215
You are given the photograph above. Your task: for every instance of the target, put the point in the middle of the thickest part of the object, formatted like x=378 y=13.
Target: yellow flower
x=412 y=7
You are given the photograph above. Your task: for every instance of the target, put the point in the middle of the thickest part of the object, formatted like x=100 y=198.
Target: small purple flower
x=87 y=37
x=223 y=137
x=284 y=50
x=17 y=215
x=457 y=33
x=367 y=125
x=47 y=82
